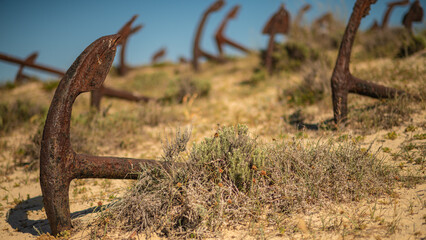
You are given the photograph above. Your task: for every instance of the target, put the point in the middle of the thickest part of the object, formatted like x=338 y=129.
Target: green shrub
x=290 y=56
x=259 y=75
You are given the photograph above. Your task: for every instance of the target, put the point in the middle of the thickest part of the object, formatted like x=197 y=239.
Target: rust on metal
x=158 y=55
x=415 y=14
x=125 y=32
x=59 y=164
x=197 y=52
x=387 y=14
x=103 y=91
x=278 y=23
x=20 y=76
x=30 y=63
x=221 y=39
x=342 y=81
x=96 y=94
x=389 y=10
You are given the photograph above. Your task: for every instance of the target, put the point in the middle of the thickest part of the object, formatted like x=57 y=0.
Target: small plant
x=172 y=148
x=259 y=75
x=391 y=135
x=183 y=87
x=314 y=87
x=386 y=150
x=420 y=136
x=291 y=56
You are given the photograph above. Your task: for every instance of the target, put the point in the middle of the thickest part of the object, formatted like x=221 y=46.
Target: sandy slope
x=402 y=216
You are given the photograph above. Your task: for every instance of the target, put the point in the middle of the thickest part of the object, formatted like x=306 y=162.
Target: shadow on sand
x=17 y=217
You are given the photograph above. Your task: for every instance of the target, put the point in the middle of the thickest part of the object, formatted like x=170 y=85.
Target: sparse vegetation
x=186 y=87
x=383 y=114
x=291 y=56
x=231 y=177
x=314 y=87
x=16 y=113
x=50 y=85
x=281 y=182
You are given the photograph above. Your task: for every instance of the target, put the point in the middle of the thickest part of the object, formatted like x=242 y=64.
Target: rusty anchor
x=197 y=52
x=28 y=62
x=125 y=32
x=59 y=164
x=96 y=95
x=414 y=14
x=300 y=14
x=323 y=23
x=342 y=81
x=278 y=23
x=387 y=14
x=158 y=55
x=221 y=39
x=20 y=76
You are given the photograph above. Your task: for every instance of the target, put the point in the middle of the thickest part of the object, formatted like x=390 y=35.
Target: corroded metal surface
x=221 y=39
x=103 y=91
x=30 y=64
x=415 y=14
x=342 y=81
x=278 y=23
x=158 y=55
x=59 y=164
x=125 y=32
x=196 y=51
x=96 y=94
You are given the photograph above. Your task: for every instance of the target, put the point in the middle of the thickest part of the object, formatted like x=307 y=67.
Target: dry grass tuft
x=233 y=178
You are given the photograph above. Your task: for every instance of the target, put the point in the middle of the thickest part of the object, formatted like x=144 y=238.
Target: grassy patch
x=291 y=56
x=14 y=114
x=383 y=114
x=233 y=178
x=259 y=75
x=314 y=87
x=50 y=85
x=186 y=87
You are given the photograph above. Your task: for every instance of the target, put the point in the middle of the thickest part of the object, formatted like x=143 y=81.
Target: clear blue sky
x=59 y=30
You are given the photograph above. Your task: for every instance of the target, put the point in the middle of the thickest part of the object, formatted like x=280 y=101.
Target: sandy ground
x=400 y=216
